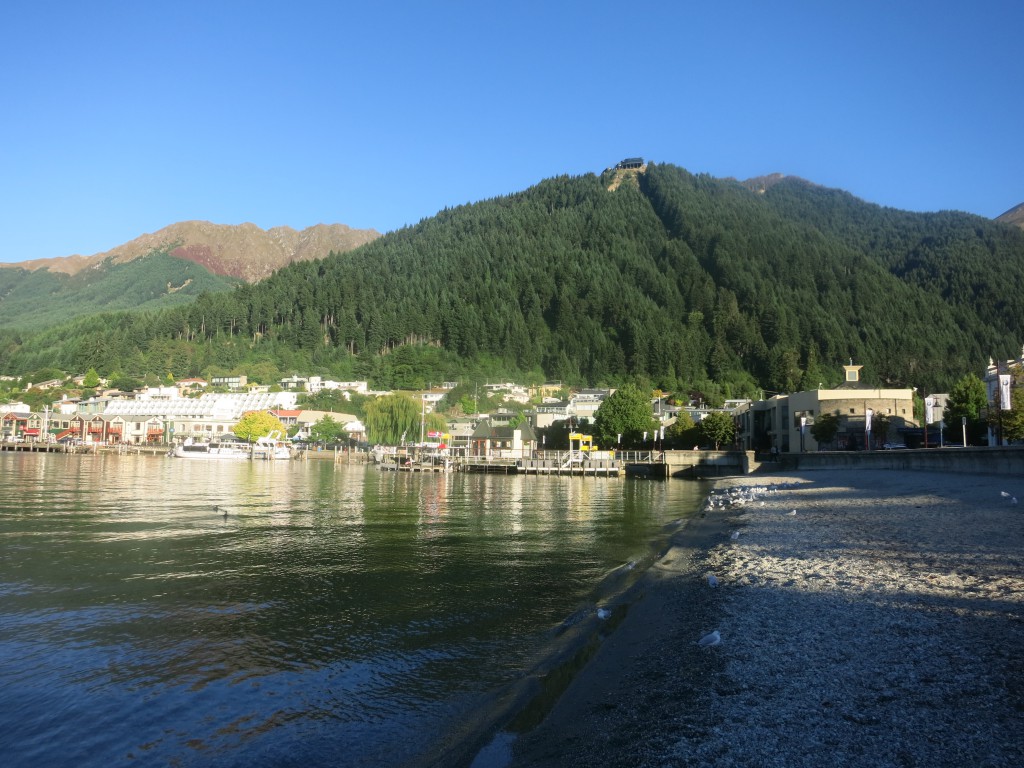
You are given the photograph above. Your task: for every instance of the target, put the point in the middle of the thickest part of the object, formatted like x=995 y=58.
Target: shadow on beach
x=870 y=617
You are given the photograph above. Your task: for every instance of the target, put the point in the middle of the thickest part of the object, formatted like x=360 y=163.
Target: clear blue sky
x=119 y=118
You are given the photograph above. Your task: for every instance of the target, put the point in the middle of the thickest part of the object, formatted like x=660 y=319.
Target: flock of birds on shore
x=736 y=498
x=739 y=497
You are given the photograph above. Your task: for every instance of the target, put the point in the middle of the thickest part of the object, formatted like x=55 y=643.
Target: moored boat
x=215 y=449
x=271 y=447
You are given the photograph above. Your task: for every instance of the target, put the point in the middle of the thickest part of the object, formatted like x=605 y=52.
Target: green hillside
x=678 y=280
x=34 y=299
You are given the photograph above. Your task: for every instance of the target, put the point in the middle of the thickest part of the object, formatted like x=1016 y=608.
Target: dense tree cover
x=681 y=282
x=336 y=401
x=34 y=299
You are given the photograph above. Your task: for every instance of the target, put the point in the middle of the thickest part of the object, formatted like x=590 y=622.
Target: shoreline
x=485 y=739
x=882 y=624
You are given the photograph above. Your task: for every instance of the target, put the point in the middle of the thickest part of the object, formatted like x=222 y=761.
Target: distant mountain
x=244 y=251
x=1014 y=216
x=165 y=268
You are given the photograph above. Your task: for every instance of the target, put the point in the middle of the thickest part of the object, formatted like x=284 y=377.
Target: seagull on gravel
x=734 y=535
x=792 y=513
x=712 y=580
x=603 y=613
x=712 y=638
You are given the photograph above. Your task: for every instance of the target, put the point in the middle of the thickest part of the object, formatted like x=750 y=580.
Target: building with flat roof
x=868 y=417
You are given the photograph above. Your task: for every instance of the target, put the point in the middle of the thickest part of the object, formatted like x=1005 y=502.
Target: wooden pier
x=564 y=465
x=595 y=468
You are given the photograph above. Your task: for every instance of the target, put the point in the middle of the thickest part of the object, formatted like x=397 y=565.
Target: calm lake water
x=334 y=616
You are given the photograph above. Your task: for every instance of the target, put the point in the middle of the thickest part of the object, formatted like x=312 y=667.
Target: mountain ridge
x=675 y=279
x=242 y=251
x=1014 y=216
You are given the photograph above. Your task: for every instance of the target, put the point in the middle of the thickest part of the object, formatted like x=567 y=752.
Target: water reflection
x=385 y=602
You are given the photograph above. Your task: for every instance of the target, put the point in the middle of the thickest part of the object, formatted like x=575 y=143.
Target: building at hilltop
x=630 y=163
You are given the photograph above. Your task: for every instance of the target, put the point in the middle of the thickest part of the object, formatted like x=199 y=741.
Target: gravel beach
x=867 y=618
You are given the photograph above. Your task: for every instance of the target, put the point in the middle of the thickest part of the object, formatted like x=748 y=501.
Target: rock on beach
x=881 y=625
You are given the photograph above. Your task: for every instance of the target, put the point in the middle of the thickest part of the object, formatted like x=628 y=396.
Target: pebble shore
x=867 y=618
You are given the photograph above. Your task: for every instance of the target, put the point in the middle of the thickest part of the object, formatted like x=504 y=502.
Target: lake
x=175 y=612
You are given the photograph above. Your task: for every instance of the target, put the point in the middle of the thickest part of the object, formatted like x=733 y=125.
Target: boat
x=272 y=447
x=215 y=449
x=269 y=448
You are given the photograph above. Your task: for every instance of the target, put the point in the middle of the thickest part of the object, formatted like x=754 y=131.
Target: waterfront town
x=196 y=410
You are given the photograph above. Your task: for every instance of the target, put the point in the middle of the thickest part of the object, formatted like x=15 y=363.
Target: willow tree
x=393 y=419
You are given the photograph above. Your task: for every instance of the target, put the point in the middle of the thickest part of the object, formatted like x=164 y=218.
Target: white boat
x=271 y=448
x=215 y=449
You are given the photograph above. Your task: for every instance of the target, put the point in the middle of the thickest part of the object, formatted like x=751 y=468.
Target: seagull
x=734 y=535
x=712 y=580
x=792 y=513
x=1004 y=494
x=603 y=613
x=712 y=638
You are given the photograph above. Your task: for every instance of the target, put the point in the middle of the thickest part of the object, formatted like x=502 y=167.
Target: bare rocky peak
x=244 y=251
x=1014 y=216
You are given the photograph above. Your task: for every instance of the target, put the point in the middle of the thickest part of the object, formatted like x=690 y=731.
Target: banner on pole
x=1004 y=391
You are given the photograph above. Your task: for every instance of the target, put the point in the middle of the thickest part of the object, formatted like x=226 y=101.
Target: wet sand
x=867 y=618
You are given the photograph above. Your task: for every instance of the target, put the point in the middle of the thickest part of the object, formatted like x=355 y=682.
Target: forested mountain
x=678 y=280
x=167 y=267
x=41 y=297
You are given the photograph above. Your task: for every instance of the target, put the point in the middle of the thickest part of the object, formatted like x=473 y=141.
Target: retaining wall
x=974 y=461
